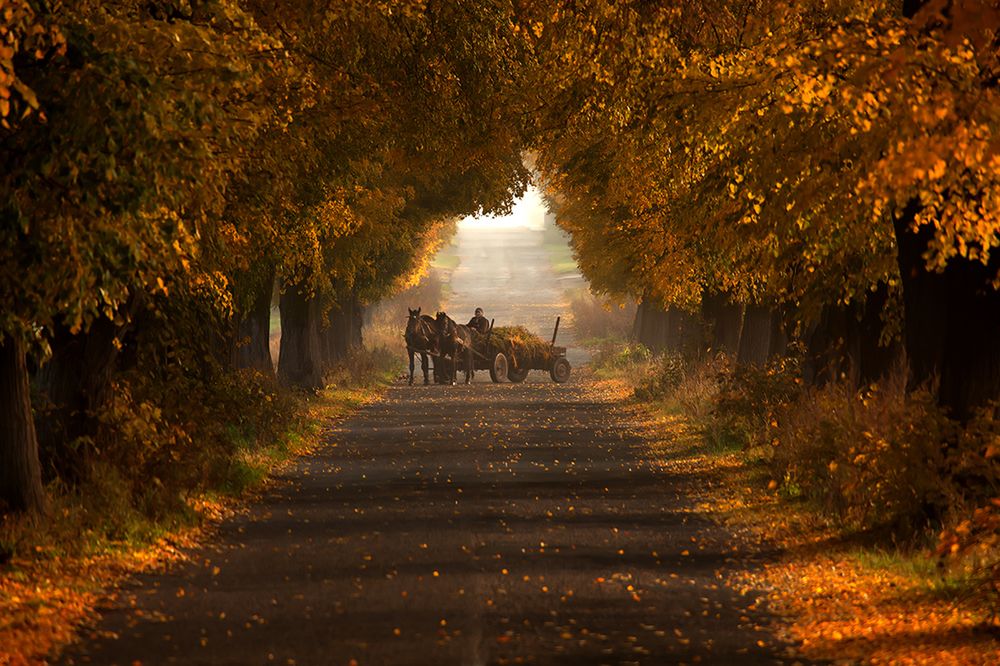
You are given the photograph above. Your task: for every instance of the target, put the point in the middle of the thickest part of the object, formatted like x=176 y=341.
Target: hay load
x=520 y=343
x=511 y=352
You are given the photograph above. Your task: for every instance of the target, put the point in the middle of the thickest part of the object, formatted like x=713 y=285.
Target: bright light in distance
x=528 y=211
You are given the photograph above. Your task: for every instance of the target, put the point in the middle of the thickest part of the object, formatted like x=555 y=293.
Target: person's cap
x=479 y=311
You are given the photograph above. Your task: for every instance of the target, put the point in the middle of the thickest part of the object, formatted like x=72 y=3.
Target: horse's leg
x=470 y=370
x=454 y=366
x=424 y=366
x=410 y=352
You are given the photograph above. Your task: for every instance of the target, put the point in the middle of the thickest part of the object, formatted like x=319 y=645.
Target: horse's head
x=442 y=322
x=413 y=323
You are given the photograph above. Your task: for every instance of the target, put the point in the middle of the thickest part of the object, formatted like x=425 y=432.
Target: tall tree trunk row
x=300 y=361
x=724 y=320
x=75 y=383
x=20 y=471
x=671 y=330
x=253 y=347
x=311 y=345
x=952 y=321
x=755 y=336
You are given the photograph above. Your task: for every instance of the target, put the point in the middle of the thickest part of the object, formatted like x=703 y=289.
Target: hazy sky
x=528 y=211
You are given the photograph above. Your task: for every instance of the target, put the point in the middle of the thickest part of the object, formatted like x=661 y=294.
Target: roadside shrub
x=365 y=367
x=748 y=401
x=621 y=356
x=883 y=458
x=972 y=545
x=165 y=440
x=698 y=392
x=662 y=378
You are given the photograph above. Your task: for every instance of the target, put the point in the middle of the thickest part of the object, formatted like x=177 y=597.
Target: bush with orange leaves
x=883 y=458
x=750 y=398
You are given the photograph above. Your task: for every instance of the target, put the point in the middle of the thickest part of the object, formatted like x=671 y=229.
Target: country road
x=508 y=272
x=484 y=524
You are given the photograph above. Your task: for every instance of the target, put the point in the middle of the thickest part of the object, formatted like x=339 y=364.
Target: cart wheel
x=498 y=370
x=560 y=370
x=517 y=375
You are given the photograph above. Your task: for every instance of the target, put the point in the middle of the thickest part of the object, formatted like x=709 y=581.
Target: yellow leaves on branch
x=956 y=177
x=213 y=287
x=22 y=32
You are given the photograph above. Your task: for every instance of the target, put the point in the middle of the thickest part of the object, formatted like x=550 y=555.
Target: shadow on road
x=507 y=524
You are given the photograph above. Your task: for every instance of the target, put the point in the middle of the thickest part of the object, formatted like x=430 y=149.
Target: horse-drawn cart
x=512 y=352
x=506 y=352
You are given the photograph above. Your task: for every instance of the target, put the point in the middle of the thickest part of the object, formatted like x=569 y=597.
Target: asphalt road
x=483 y=524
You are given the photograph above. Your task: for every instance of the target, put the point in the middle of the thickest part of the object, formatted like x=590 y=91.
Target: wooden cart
x=506 y=361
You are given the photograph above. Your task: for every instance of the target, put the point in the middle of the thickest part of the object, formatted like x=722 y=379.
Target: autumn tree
x=810 y=157
x=431 y=133
x=25 y=37
x=112 y=186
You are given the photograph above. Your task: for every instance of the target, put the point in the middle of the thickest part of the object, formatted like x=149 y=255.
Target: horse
x=421 y=338
x=455 y=339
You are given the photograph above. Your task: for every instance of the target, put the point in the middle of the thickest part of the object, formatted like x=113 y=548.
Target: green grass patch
x=561 y=259
x=447 y=259
x=916 y=566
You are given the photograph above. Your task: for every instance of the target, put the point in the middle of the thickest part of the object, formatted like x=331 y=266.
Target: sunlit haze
x=528 y=211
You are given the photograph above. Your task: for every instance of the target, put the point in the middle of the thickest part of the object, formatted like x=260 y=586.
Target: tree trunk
x=253 y=345
x=300 y=361
x=686 y=333
x=651 y=326
x=343 y=334
x=755 y=336
x=723 y=318
x=671 y=330
x=952 y=322
x=75 y=382
x=846 y=342
x=357 y=323
x=20 y=470
x=779 y=336
x=638 y=322
x=875 y=360
x=830 y=346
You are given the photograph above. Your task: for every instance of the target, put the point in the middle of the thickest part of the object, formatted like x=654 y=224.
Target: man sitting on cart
x=479 y=322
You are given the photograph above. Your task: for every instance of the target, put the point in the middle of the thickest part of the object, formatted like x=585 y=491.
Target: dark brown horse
x=455 y=340
x=421 y=338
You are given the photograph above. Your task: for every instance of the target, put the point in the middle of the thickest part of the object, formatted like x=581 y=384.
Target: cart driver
x=479 y=322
